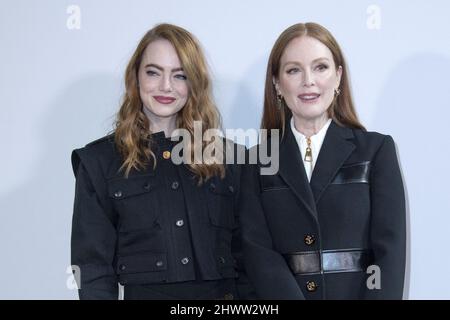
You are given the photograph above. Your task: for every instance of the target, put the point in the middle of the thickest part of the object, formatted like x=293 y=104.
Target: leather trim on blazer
x=353 y=173
x=329 y=261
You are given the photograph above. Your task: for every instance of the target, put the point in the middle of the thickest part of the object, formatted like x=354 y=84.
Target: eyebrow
x=315 y=60
x=161 y=68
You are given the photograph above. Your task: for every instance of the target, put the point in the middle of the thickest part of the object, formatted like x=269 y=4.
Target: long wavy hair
x=342 y=110
x=132 y=128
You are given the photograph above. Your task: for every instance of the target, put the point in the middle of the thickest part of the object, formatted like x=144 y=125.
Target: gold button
x=309 y=239
x=166 y=154
x=311 y=286
x=228 y=296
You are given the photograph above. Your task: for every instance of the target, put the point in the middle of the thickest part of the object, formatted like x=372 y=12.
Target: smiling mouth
x=309 y=97
x=164 y=99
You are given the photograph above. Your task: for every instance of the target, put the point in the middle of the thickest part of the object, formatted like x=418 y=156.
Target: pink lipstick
x=309 y=97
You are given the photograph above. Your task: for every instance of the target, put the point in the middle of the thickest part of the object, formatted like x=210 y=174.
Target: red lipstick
x=164 y=99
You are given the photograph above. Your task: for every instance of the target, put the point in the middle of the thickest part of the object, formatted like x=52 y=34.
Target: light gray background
x=60 y=88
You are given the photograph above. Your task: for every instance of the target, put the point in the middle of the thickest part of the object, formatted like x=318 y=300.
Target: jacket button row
x=311 y=286
x=179 y=223
x=118 y=194
x=309 y=239
x=185 y=260
x=175 y=185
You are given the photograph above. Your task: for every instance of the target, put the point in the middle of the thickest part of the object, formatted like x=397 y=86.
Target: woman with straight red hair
x=330 y=224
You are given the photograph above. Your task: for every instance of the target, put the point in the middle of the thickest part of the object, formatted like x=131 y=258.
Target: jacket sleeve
x=266 y=268
x=388 y=223
x=93 y=238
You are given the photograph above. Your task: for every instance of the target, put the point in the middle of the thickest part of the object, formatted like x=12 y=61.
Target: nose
x=308 y=79
x=165 y=84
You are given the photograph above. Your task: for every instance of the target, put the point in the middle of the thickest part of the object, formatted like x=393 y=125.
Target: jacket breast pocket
x=135 y=199
x=220 y=200
x=272 y=183
x=353 y=173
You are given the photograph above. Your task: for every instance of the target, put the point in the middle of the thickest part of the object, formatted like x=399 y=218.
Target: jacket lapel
x=336 y=148
x=293 y=172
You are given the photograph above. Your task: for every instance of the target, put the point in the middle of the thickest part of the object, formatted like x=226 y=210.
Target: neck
x=157 y=124
x=310 y=127
x=167 y=128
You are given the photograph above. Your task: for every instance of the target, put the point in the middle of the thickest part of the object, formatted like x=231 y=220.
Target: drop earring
x=279 y=101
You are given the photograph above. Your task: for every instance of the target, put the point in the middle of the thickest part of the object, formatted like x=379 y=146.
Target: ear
x=339 y=75
x=275 y=83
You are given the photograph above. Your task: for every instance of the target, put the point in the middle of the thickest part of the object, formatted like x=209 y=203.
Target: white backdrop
x=61 y=68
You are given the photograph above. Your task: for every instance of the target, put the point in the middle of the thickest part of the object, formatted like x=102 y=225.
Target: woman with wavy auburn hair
x=331 y=223
x=161 y=229
x=134 y=122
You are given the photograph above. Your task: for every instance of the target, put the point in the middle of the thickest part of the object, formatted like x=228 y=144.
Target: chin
x=311 y=114
x=161 y=112
x=165 y=114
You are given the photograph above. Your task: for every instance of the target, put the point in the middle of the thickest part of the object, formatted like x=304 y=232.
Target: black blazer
x=123 y=231
x=354 y=203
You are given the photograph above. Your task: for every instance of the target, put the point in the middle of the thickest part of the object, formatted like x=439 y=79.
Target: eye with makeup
x=180 y=77
x=322 y=67
x=151 y=73
x=292 y=70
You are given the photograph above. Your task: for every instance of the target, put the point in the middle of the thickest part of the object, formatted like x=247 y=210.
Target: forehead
x=305 y=50
x=162 y=53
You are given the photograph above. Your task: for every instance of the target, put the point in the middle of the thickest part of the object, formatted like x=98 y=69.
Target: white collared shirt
x=316 y=144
